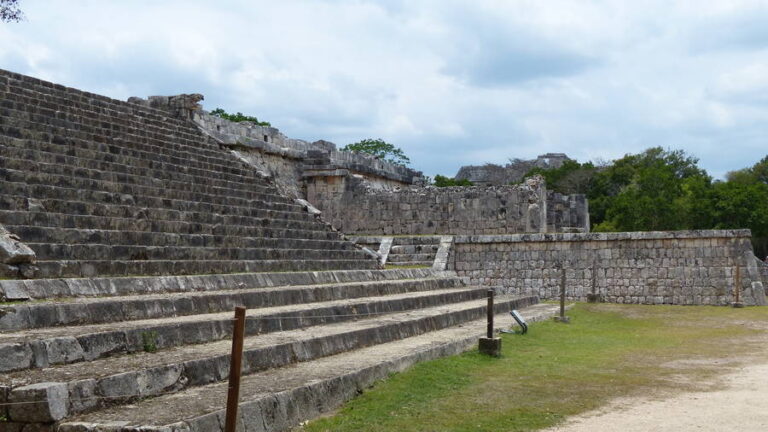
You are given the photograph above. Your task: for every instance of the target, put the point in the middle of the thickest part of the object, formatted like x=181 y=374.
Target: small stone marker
x=490 y=345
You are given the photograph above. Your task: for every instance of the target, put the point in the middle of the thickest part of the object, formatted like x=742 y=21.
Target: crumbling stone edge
x=17 y=260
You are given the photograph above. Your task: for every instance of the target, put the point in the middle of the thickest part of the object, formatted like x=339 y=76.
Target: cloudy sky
x=451 y=82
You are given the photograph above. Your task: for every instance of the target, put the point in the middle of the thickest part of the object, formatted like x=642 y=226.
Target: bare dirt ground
x=734 y=401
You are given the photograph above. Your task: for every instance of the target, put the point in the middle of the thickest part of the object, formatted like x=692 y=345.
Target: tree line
x=666 y=190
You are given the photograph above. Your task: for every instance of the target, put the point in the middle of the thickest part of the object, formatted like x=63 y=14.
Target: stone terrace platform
x=122 y=354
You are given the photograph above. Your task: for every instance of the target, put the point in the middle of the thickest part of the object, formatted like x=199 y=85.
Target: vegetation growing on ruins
x=238 y=117
x=381 y=149
x=556 y=370
x=571 y=177
x=666 y=190
x=443 y=181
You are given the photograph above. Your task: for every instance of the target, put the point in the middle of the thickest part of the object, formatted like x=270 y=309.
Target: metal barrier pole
x=235 y=367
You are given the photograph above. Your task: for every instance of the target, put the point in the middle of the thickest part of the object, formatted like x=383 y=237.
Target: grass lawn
x=558 y=370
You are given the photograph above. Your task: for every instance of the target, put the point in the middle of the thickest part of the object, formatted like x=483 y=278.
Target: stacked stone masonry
x=360 y=194
x=686 y=267
x=95 y=186
x=146 y=353
x=288 y=161
x=355 y=209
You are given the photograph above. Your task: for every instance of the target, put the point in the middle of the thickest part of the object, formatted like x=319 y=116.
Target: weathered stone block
x=42 y=402
x=12 y=250
x=15 y=356
x=490 y=346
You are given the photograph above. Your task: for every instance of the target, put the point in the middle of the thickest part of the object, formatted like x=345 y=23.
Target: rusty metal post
x=235 y=368
x=490 y=314
x=490 y=345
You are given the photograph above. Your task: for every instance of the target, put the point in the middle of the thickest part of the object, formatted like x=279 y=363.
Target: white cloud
x=452 y=82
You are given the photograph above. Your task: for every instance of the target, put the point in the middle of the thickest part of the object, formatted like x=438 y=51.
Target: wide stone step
x=409 y=258
x=20 y=159
x=170 y=175
x=208 y=154
x=20 y=290
x=278 y=399
x=83 y=268
x=410 y=263
x=21 y=192
x=127 y=378
x=42 y=224
x=32 y=234
x=52 y=96
x=163 y=150
x=69 y=345
x=144 y=193
x=92 y=252
x=81 y=311
x=22 y=114
x=413 y=249
x=71 y=104
x=70 y=108
x=416 y=240
x=52 y=211
x=134 y=158
x=105 y=160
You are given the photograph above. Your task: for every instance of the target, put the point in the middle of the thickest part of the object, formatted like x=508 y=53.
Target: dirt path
x=738 y=402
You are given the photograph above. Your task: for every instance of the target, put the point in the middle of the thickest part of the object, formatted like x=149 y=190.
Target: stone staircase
x=146 y=236
x=155 y=355
x=413 y=251
x=403 y=251
x=97 y=186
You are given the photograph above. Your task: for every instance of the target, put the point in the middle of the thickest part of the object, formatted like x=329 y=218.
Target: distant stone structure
x=361 y=194
x=513 y=172
x=292 y=163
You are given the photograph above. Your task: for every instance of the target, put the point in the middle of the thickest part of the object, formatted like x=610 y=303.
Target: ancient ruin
x=130 y=230
x=513 y=172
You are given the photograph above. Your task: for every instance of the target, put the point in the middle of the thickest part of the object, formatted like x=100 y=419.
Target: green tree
x=742 y=202
x=381 y=149
x=443 y=181
x=571 y=177
x=238 y=117
x=654 y=190
x=666 y=190
x=10 y=11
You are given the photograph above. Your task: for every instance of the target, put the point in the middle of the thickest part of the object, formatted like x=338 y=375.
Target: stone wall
x=763 y=268
x=356 y=208
x=269 y=143
x=283 y=170
x=567 y=213
x=682 y=267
